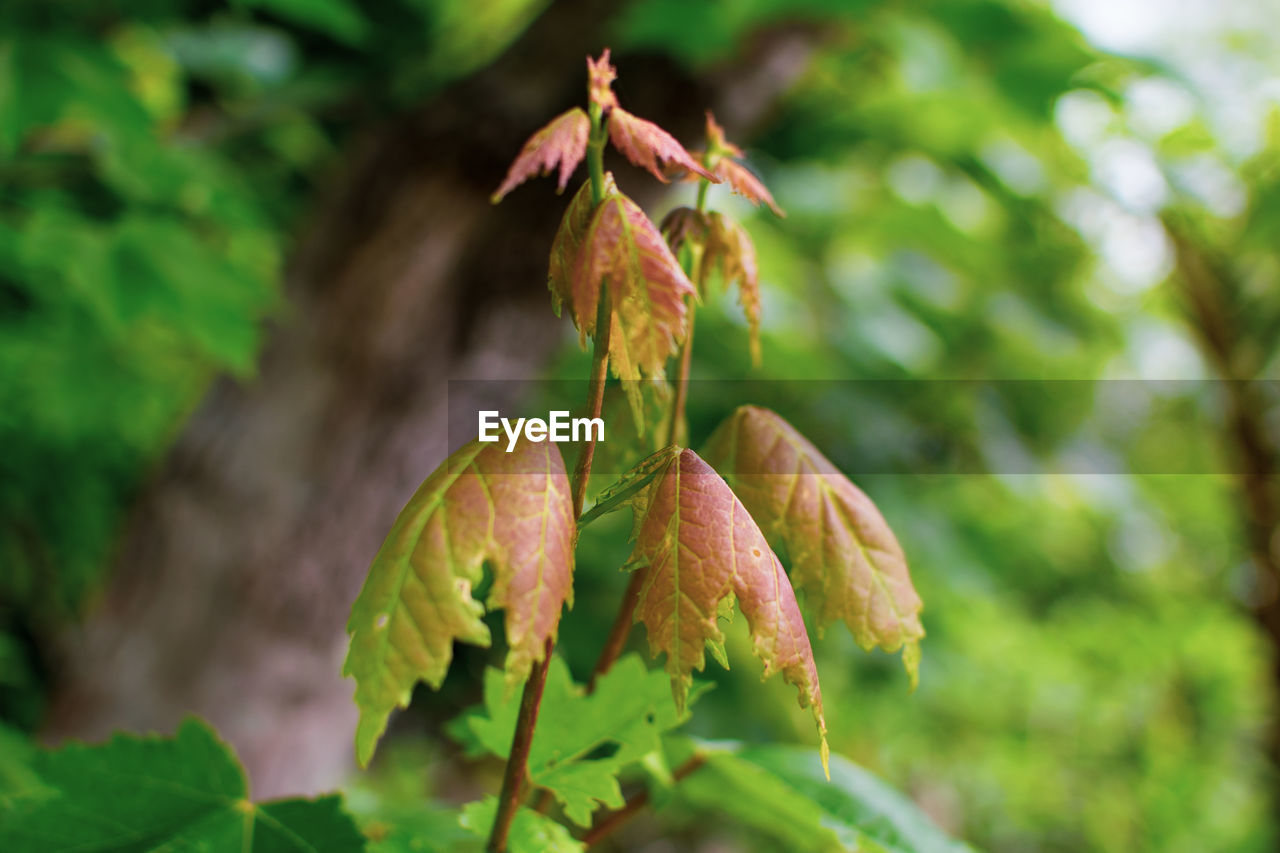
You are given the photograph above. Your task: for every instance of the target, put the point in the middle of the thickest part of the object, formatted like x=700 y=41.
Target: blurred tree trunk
x=235 y=578
x=1214 y=307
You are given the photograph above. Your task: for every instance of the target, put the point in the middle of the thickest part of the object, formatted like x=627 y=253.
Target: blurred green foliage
x=973 y=192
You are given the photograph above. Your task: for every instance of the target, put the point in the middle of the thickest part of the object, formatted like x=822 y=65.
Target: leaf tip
x=911 y=662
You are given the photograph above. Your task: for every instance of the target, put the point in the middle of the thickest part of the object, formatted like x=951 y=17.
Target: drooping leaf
x=744 y=182
x=568 y=285
x=685 y=227
x=581 y=741
x=618 y=247
x=720 y=248
x=530 y=831
x=650 y=147
x=730 y=252
x=563 y=141
x=697 y=546
x=723 y=158
x=781 y=791
x=512 y=509
x=842 y=552
x=181 y=793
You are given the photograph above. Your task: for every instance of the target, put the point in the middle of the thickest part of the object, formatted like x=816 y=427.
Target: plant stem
x=611 y=822
x=631 y=598
x=620 y=631
x=530 y=701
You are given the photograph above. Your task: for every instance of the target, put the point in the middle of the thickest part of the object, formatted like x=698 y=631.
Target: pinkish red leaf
x=843 y=554
x=744 y=183
x=699 y=549
x=512 y=510
x=563 y=141
x=647 y=145
x=617 y=246
x=600 y=77
x=720 y=246
x=729 y=251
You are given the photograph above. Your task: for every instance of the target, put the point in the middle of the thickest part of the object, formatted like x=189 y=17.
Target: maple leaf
x=723 y=157
x=725 y=248
x=614 y=245
x=697 y=545
x=530 y=831
x=562 y=141
x=843 y=554
x=600 y=77
x=512 y=509
x=186 y=792
x=650 y=147
x=630 y=709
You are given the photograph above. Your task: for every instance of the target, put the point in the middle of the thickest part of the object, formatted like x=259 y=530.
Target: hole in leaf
x=605 y=750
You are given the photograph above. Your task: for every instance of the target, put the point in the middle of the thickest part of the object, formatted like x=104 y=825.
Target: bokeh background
x=245 y=246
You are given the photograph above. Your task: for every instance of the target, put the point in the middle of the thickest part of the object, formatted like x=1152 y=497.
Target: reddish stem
x=611 y=822
x=621 y=629
x=527 y=719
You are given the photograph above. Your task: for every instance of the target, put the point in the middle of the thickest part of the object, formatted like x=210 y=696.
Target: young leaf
x=564 y=278
x=615 y=245
x=780 y=791
x=723 y=156
x=628 y=712
x=729 y=251
x=843 y=554
x=743 y=182
x=697 y=545
x=725 y=249
x=600 y=77
x=530 y=832
x=512 y=509
x=562 y=141
x=182 y=793
x=650 y=147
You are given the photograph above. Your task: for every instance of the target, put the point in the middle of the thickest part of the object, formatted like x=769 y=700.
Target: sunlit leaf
x=181 y=793
x=563 y=141
x=843 y=554
x=582 y=741
x=697 y=545
x=511 y=509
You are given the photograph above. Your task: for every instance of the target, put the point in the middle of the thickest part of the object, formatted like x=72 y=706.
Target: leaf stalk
x=531 y=699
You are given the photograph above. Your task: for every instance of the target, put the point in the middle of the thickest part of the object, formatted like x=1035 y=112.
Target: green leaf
x=149 y=793
x=530 y=832
x=483 y=503
x=781 y=790
x=843 y=554
x=624 y=719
